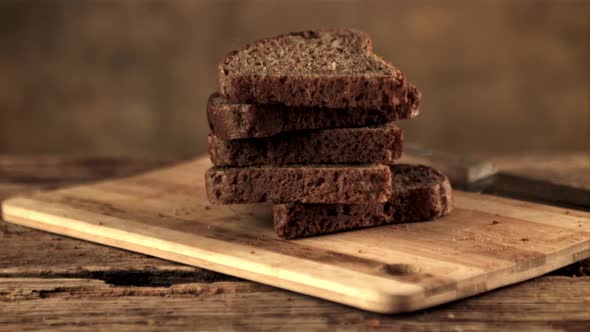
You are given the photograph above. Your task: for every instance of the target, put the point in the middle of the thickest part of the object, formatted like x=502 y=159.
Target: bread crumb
x=373 y=322
x=333 y=65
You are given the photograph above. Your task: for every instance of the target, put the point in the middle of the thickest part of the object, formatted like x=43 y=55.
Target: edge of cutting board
x=14 y=212
x=17 y=210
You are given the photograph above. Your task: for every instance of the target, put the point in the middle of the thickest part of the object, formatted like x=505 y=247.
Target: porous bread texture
x=366 y=145
x=420 y=193
x=297 y=183
x=331 y=68
x=229 y=120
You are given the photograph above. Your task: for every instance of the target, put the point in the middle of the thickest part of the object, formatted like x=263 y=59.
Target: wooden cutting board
x=487 y=242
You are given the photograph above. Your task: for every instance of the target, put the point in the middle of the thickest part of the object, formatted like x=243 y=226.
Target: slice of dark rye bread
x=367 y=145
x=232 y=121
x=332 y=68
x=305 y=184
x=419 y=193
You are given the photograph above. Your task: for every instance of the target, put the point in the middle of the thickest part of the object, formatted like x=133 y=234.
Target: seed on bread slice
x=331 y=68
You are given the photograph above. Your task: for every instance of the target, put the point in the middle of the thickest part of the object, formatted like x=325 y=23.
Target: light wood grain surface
x=486 y=243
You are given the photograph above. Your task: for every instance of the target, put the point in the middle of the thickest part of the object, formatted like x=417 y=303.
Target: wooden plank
x=19 y=174
x=164 y=213
x=27 y=257
x=544 y=304
x=23 y=248
x=25 y=252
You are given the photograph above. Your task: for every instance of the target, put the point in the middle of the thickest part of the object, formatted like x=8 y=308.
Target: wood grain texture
x=25 y=252
x=505 y=309
x=544 y=304
x=487 y=243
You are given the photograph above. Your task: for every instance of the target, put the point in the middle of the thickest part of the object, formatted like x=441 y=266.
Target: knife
x=474 y=175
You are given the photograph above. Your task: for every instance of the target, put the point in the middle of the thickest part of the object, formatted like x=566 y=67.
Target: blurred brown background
x=132 y=77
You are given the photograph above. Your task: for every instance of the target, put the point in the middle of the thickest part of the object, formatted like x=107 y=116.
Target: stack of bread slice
x=306 y=121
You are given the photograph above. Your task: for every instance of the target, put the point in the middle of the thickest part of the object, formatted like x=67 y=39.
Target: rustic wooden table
x=53 y=282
